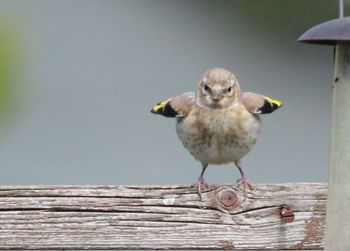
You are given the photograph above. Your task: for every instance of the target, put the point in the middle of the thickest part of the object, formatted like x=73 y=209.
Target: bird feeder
x=337 y=33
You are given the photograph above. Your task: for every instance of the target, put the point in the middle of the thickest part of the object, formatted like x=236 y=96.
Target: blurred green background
x=78 y=78
x=8 y=71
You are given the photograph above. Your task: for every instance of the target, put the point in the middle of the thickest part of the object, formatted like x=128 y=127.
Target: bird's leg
x=243 y=181
x=200 y=181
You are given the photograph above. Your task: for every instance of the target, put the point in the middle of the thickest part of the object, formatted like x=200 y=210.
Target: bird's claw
x=200 y=183
x=245 y=183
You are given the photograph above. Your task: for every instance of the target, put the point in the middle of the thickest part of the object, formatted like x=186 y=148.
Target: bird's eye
x=229 y=89
x=206 y=88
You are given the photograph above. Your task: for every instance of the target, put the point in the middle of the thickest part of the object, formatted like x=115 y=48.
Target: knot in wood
x=287 y=214
x=228 y=198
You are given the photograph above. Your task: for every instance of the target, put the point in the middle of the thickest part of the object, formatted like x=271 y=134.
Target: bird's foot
x=244 y=182
x=201 y=184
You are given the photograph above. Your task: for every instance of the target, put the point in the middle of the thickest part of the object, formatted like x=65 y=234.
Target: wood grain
x=161 y=217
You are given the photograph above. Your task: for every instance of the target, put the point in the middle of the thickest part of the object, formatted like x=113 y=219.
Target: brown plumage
x=218 y=123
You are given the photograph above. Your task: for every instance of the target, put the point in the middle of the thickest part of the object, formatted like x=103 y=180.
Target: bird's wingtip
x=153 y=111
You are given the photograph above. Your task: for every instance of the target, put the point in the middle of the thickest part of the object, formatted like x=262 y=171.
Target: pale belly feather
x=219 y=137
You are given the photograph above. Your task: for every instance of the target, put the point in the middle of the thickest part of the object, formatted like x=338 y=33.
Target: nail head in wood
x=287 y=214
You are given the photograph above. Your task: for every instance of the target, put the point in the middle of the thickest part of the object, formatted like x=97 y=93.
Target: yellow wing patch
x=273 y=101
x=165 y=109
x=160 y=105
x=269 y=105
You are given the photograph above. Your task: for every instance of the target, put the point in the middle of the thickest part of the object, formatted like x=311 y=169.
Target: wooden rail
x=271 y=217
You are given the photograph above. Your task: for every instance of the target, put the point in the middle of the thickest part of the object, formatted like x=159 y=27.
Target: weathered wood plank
x=161 y=217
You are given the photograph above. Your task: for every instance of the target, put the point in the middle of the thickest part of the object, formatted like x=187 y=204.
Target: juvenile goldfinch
x=219 y=123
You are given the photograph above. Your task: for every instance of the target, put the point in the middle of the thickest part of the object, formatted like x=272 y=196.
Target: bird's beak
x=216 y=95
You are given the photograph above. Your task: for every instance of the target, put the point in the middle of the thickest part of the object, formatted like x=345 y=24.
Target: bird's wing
x=259 y=104
x=178 y=106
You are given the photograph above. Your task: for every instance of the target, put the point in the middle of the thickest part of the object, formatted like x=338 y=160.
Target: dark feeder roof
x=328 y=33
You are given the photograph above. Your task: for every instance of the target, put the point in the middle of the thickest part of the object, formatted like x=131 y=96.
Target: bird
x=218 y=123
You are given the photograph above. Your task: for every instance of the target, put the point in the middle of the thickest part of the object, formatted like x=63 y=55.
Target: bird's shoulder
x=178 y=106
x=259 y=104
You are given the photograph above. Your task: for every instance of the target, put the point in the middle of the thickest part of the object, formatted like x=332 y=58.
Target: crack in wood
x=160 y=217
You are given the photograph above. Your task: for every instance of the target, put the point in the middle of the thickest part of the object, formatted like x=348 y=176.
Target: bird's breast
x=218 y=137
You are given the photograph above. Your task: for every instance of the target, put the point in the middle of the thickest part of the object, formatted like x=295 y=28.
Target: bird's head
x=217 y=89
